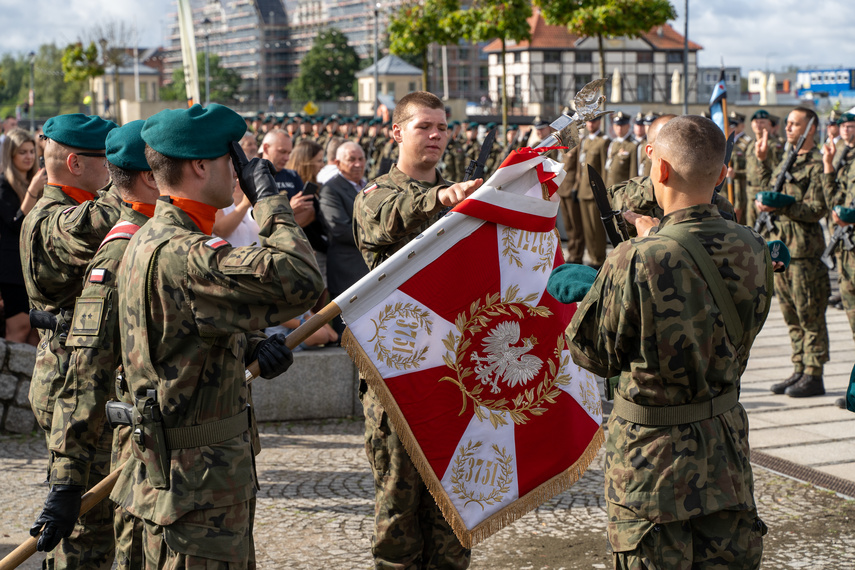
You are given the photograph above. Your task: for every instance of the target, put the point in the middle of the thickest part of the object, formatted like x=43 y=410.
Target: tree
x=416 y=25
x=328 y=69
x=224 y=82
x=81 y=64
x=13 y=75
x=606 y=18
x=506 y=20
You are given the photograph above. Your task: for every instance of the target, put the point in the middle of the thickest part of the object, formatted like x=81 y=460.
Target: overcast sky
x=750 y=34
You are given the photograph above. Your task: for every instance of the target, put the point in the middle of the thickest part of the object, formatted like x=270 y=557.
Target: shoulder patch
x=369 y=189
x=122 y=230
x=98 y=275
x=216 y=243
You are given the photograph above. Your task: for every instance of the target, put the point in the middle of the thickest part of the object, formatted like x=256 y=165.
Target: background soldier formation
x=186 y=491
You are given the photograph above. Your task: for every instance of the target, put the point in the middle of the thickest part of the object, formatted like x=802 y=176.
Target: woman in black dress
x=21 y=185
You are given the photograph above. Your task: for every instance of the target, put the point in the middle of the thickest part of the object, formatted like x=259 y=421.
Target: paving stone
x=22 y=358
x=8 y=383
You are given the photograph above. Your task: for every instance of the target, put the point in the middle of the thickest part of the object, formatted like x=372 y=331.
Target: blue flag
x=718 y=104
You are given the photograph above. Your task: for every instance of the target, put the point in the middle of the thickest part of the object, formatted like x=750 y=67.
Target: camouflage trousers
x=846 y=283
x=409 y=529
x=803 y=291
x=725 y=540
x=571 y=217
x=750 y=209
x=209 y=539
x=91 y=545
x=128 y=531
x=740 y=199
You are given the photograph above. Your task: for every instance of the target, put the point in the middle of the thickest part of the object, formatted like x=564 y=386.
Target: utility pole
x=686 y=63
x=32 y=99
x=376 y=55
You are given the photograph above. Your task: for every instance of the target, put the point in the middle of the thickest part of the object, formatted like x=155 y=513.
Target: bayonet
x=610 y=217
x=476 y=167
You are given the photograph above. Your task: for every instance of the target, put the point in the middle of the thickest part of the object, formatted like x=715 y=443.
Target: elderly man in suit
x=345 y=265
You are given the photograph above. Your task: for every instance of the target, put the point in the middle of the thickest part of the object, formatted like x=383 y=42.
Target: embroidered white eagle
x=503 y=361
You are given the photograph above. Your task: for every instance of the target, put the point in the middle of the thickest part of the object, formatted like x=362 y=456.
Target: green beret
x=490 y=126
x=79 y=131
x=194 y=133
x=775 y=199
x=453 y=124
x=845 y=214
x=513 y=127
x=569 y=283
x=472 y=125
x=125 y=147
x=779 y=252
x=845 y=118
x=761 y=114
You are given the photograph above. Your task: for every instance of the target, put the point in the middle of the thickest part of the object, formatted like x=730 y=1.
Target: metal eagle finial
x=588 y=102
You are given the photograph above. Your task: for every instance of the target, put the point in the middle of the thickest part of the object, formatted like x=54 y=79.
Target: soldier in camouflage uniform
x=58 y=238
x=760 y=123
x=636 y=195
x=736 y=172
x=804 y=288
x=409 y=529
x=453 y=157
x=679 y=485
x=839 y=188
x=80 y=429
x=190 y=305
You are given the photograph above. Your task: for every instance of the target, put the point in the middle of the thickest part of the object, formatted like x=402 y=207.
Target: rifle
x=611 y=218
x=765 y=218
x=841 y=234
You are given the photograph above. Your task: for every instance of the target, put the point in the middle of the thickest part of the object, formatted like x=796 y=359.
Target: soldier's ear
x=721 y=174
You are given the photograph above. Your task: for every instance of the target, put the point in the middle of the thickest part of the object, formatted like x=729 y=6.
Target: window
x=580 y=80
x=644 y=57
x=584 y=57
x=143 y=91
x=675 y=57
x=412 y=86
x=551 y=88
x=552 y=57
x=463 y=54
x=644 y=89
x=517 y=57
x=390 y=88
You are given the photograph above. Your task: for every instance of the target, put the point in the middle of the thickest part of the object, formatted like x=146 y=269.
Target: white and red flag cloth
x=466 y=350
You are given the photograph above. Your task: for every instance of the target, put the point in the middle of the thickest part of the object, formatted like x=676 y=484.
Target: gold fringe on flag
x=496 y=522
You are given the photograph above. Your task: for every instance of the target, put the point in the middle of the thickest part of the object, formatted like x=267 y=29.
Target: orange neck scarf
x=146 y=210
x=202 y=214
x=76 y=194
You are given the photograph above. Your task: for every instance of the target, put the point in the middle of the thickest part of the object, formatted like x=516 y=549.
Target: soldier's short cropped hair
x=694 y=146
x=809 y=114
x=167 y=171
x=407 y=106
x=122 y=178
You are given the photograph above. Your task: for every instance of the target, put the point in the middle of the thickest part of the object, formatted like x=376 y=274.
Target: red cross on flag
x=466 y=350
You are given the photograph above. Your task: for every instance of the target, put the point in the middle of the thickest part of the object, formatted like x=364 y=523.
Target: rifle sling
x=696 y=411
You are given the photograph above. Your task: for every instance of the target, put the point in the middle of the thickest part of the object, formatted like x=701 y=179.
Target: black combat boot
x=840 y=403
x=809 y=385
x=781 y=387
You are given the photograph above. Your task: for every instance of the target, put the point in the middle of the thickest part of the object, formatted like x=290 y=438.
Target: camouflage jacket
x=95 y=356
x=391 y=211
x=58 y=239
x=835 y=186
x=797 y=225
x=754 y=167
x=591 y=151
x=621 y=161
x=650 y=319
x=187 y=302
x=740 y=156
x=636 y=195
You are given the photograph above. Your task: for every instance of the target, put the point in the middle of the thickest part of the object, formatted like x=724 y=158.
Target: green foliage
x=223 y=84
x=14 y=73
x=328 y=69
x=416 y=25
x=607 y=18
x=81 y=64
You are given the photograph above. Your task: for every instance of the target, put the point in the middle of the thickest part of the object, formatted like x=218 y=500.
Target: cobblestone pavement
x=315 y=510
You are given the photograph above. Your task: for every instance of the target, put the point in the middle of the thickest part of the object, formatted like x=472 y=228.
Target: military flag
x=466 y=350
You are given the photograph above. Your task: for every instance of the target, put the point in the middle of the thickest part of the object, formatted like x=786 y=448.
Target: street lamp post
x=376 y=55
x=32 y=99
x=206 y=23
x=103 y=43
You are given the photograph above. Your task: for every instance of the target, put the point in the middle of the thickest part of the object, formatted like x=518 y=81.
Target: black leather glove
x=274 y=358
x=255 y=176
x=57 y=519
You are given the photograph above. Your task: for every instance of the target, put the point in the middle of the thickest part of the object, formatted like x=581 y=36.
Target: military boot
x=840 y=403
x=781 y=387
x=808 y=385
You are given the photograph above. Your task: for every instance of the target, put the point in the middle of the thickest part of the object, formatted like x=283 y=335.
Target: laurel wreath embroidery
x=502 y=482
x=528 y=403
x=590 y=395
x=509 y=237
x=403 y=310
